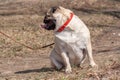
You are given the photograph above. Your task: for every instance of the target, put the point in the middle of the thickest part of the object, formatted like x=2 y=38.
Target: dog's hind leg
x=82 y=59
x=89 y=54
x=54 y=61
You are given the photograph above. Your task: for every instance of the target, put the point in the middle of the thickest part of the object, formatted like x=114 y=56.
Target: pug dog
x=72 y=39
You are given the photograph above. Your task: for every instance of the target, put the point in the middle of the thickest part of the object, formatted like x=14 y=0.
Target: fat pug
x=72 y=39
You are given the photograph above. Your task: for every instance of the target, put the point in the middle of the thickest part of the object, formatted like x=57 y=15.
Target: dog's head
x=49 y=21
x=55 y=17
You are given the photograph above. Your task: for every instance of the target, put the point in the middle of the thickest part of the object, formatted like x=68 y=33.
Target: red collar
x=66 y=23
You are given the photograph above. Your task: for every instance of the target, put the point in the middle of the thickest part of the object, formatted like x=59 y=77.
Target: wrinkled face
x=49 y=21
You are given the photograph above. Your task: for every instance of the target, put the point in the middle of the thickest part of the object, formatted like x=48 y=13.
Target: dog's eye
x=53 y=9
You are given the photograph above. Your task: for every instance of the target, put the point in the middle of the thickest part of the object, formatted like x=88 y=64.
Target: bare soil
x=20 y=19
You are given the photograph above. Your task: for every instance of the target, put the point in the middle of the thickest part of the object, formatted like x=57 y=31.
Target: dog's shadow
x=35 y=70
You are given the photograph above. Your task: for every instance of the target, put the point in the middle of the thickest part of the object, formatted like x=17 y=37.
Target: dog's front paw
x=68 y=70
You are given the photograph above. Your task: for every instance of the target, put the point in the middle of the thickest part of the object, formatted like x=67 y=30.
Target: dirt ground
x=20 y=19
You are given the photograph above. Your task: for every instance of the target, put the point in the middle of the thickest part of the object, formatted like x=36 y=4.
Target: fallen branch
x=23 y=43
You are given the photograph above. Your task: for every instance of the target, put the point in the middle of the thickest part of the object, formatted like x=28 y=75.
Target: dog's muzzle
x=49 y=24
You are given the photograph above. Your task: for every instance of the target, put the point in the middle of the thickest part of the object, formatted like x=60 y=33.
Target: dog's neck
x=65 y=21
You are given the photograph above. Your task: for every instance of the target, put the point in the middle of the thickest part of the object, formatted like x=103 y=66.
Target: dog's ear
x=53 y=9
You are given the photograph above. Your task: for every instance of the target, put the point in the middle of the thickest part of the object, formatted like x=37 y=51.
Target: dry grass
x=24 y=29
